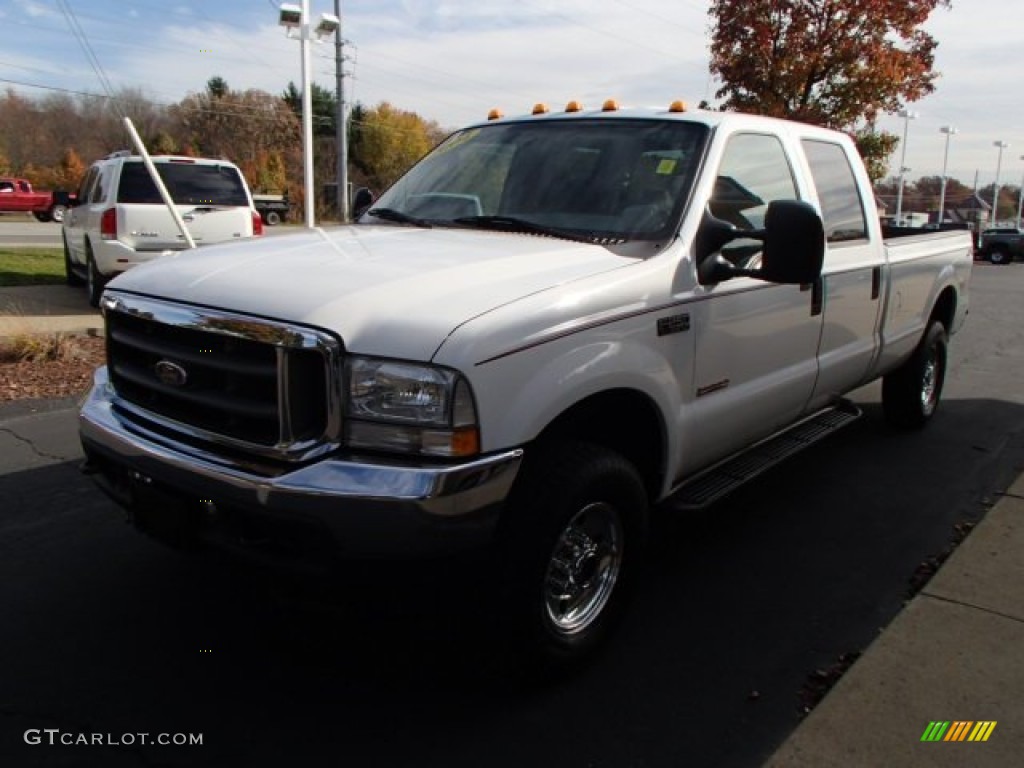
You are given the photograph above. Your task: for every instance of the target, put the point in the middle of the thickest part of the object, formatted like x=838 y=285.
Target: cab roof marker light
x=574 y=106
x=495 y=114
x=611 y=105
x=540 y=108
x=677 y=106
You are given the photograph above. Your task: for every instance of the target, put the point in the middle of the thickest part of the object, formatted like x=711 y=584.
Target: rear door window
x=841 y=208
x=187 y=183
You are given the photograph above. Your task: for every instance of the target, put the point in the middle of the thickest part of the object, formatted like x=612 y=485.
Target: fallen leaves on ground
x=69 y=376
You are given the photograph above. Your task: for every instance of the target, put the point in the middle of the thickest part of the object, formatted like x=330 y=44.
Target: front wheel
x=57 y=212
x=572 y=540
x=910 y=394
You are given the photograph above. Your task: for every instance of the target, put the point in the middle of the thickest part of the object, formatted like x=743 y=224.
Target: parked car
x=549 y=324
x=1001 y=245
x=119 y=219
x=17 y=195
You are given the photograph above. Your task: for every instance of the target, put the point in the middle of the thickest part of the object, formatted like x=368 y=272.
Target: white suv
x=120 y=220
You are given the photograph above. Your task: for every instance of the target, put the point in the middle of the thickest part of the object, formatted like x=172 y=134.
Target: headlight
x=411 y=408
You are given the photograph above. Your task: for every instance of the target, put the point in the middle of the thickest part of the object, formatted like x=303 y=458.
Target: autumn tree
x=70 y=170
x=243 y=126
x=837 y=63
x=386 y=141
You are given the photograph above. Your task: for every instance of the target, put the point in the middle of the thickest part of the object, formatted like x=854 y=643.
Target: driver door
x=756 y=342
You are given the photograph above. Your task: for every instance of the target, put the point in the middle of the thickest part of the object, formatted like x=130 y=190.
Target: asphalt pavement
x=940 y=686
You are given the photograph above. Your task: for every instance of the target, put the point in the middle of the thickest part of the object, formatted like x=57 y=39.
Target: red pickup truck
x=17 y=195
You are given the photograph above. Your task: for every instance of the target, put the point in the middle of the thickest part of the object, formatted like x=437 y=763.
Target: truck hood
x=391 y=290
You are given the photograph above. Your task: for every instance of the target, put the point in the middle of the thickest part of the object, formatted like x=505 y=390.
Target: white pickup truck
x=550 y=324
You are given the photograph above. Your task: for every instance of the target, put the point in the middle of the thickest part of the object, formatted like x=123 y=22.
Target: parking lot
x=739 y=609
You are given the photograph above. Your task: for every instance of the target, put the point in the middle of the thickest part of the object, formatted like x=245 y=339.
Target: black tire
x=72 y=277
x=910 y=394
x=95 y=282
x=999 y=256
x=273 y=218
x=57 y=212
x=42 y=216
x=571 y=542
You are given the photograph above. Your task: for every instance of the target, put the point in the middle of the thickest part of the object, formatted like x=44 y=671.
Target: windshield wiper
x=391 y=214
x=514 y=224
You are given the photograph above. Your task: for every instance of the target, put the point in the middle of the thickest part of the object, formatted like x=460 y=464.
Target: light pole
x=293 y=17
x=907 y=117
x=341 y=132
x=995 y=193
x=1020 y=198
x=949 y=130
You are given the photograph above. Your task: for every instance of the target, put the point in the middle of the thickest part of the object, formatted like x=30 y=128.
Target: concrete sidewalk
x=955 y=653
x=46 y=309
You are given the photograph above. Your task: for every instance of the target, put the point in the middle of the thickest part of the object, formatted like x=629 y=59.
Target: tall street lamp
x=995 y=193
x=907 y=117
x=293 y=17
x=949 y=130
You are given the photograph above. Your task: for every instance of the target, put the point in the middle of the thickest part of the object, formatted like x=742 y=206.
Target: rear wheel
x=999 y=256
x=571 y=543
x=910 y=394
x=95 y=282
x=72 y=277
x=57 y=212
x=43 y=216
x=273 y=218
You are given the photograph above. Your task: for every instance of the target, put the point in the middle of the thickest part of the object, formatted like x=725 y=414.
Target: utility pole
x=340 y=122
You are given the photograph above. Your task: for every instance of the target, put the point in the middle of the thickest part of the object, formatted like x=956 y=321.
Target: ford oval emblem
x=171 y=374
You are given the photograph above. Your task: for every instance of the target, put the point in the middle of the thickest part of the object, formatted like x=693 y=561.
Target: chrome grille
x=247 y=383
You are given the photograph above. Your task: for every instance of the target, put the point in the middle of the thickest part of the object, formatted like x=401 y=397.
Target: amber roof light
x=611 y=105
x=495 y=114
x=574 y=106
x=677 y=106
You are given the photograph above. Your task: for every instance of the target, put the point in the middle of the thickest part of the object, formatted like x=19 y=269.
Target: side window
x=86 y=185
x=841 y=207
x=23 y=186
x=99 y=191
x=6 y=186
x=753 y=173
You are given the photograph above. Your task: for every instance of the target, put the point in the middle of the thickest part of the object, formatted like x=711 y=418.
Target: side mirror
x=793 y=252
x=361 y=202
x=794 y=243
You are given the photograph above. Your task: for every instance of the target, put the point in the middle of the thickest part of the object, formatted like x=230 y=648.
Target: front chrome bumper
x=367 y=507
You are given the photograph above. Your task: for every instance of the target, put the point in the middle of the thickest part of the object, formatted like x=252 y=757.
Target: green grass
x=31 y=266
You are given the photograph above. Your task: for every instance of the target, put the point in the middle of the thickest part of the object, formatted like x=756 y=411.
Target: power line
x=90 y=55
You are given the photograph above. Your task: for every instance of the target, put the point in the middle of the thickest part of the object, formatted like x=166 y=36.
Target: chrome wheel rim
x=584 y=568
x=930 y=381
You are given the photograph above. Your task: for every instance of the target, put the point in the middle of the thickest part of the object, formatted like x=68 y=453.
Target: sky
x=453 y=60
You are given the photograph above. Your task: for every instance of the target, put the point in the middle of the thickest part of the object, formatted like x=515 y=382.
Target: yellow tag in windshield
x=666 y=167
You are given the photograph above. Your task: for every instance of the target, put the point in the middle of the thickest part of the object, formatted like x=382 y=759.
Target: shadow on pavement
x=108 y=632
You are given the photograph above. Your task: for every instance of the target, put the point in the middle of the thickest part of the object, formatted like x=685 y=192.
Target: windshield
x=188 y=184
x=596 y=179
